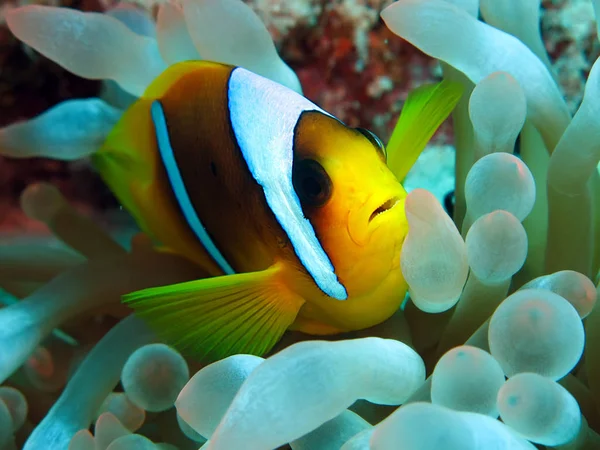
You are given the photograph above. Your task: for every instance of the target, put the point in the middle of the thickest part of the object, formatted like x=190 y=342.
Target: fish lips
x=363 y=221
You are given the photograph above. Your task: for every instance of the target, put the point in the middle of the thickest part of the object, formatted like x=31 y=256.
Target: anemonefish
x=295 y=216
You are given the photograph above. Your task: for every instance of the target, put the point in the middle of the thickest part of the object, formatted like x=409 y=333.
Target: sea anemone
x=500 y=315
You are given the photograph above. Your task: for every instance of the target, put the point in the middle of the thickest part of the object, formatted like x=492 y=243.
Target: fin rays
x=217 y=317
x=424 y=111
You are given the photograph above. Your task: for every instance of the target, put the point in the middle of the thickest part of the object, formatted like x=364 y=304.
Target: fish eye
x=311 y=183
x=373 y=139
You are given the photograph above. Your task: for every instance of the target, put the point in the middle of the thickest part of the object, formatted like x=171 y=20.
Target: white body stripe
x=263 y=116
x=168 y=158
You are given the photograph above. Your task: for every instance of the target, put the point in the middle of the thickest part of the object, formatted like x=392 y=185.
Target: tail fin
x=130 y=164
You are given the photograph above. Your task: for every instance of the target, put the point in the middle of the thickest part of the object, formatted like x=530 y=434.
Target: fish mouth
x=384 y=207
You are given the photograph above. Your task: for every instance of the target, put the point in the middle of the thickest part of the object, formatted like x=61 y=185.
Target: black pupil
x=311 y=182
x=311 y=187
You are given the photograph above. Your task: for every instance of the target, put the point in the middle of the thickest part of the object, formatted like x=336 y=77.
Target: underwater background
x=348 y=62
x=352 y=65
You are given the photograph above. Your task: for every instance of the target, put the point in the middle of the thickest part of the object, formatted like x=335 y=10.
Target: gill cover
x=263 y=117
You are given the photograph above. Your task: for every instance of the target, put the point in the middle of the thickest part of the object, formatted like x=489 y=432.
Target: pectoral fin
x=424 y=111
x=213 y=318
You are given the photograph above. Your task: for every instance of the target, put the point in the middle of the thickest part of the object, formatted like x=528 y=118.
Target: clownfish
x=295 y=216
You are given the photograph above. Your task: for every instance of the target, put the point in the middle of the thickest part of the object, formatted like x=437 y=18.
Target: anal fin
x=213 y=318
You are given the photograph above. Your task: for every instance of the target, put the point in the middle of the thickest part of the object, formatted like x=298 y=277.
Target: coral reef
x=502 y=291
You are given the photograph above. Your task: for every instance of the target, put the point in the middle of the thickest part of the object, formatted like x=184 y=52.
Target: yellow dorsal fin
x=213 y=318
x=165 y=80
x=424 y=111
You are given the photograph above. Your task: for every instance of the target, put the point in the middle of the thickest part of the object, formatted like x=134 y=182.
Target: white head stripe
x=168 y=158
x=263 y=116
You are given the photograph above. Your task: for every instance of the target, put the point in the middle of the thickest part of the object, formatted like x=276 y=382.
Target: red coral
x=362 y=90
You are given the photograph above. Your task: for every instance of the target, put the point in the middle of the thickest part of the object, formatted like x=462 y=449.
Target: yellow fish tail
x=130 y=164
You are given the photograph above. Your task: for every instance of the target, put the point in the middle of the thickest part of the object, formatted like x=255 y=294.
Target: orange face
x=356 y=206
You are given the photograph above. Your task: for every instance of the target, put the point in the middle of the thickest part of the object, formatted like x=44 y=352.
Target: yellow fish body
x=295 y=216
